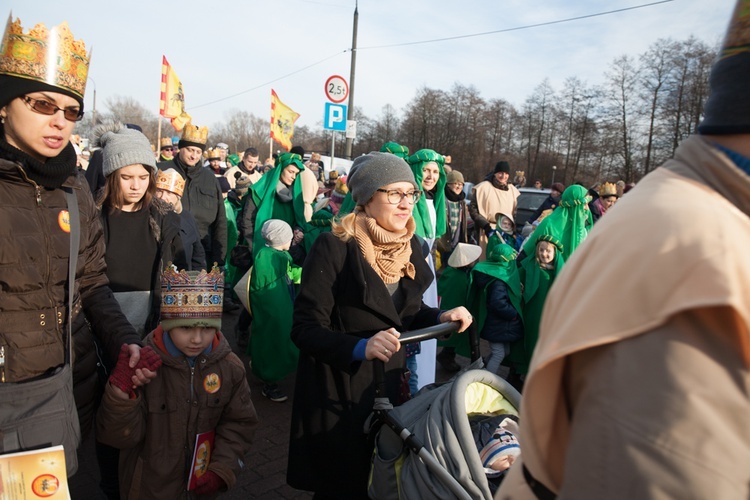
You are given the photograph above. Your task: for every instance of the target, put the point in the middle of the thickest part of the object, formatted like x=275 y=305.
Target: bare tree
x=621 y=81
x=241 y=130
x=657 y=65
x=128 y=110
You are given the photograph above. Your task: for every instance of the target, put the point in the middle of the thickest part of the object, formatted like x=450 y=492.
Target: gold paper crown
x=170 y=180
x=213 y=153
x=192 y=295
x=50 y=56
x=193 y=133
x=607 y=189
x=520 y=173
x=165 y=142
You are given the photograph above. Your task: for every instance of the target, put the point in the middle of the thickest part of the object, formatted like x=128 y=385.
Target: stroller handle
x=431 y=332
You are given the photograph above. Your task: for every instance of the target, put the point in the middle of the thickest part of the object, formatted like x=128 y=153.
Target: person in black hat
x=492 y=196
x=640 y=375
x=203 y=196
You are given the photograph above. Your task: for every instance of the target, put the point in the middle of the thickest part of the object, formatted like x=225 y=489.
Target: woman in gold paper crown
x=608 y=196
x=39 y=106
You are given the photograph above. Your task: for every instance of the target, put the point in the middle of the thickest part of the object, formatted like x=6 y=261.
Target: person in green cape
x=537 y=275
x=453 y=287
x=274 y=355
x=276 y=195
x=347 y=206
x=429 y=214
x=430 y=224
x=569 y=223
x=495 y=300
x=233 y=207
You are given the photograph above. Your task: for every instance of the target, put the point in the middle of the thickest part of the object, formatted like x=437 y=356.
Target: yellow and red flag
x=282 y=121
x=172 y=102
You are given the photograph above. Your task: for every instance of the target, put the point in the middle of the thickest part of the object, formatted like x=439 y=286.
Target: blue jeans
x=498 y=350
x=411 y=364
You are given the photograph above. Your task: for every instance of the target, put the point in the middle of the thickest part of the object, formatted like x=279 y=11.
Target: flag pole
x=158 y=138
x=158 y=115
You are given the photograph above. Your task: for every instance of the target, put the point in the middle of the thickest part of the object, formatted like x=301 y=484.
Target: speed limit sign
x=337 y=90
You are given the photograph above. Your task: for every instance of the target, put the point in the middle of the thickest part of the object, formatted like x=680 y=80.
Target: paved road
x=264 y=476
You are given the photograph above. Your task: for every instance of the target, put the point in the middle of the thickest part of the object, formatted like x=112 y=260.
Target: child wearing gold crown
x=200 y=396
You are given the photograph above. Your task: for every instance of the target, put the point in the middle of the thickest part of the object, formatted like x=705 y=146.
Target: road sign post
x=337 y=90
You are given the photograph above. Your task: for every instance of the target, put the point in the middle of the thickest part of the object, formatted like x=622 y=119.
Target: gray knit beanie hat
x=276 y=233
x=374 y=170
x=727 y=110
x=122 y=146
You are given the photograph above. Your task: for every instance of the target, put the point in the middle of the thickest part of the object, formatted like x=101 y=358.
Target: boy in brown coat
x=200 y=388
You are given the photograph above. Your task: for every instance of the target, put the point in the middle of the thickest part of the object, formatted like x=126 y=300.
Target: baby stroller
x=425 y=447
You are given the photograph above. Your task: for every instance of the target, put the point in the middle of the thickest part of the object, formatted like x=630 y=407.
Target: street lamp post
x=554 y=167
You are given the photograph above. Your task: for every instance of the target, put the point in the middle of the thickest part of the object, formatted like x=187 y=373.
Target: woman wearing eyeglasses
x=39 y=106
x=362 y=284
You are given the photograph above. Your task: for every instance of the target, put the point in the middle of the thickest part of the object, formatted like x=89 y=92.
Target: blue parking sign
x=335 y=117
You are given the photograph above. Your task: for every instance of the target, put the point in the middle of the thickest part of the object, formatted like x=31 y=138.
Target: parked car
x=528 y=201
x=468 y=186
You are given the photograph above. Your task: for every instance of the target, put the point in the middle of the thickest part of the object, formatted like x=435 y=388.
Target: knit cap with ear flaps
x=121 y=147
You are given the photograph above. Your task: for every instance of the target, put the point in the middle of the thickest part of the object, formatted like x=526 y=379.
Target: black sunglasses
x=72 y=114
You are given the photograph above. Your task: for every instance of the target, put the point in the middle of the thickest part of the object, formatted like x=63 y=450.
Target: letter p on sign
x=335 y=117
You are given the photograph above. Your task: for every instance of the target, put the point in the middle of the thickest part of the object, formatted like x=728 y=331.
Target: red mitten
x=122 y=375
x=149 y=359
x=209 y=483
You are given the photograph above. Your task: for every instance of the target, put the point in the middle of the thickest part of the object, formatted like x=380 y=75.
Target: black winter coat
x=193 y=254
x=33 y=281
x=202 y=197
x=503 y=323
x=342 y=300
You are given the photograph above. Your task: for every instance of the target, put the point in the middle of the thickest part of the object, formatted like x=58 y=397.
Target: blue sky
x=227 y=47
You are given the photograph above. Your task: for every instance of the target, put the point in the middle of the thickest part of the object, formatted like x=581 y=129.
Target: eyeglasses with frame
x=44 y=107
x=394 y=196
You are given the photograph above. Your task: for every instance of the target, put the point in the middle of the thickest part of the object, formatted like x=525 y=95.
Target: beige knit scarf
x=387 y=252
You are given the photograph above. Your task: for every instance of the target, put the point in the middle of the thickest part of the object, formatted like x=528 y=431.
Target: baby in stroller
x=497 y=445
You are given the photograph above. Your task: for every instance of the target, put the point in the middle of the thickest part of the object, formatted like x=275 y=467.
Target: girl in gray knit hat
x=141 y=231
x=362 y=284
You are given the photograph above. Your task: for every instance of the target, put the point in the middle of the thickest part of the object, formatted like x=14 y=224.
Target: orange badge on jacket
x=63 y=220
x=212 y=383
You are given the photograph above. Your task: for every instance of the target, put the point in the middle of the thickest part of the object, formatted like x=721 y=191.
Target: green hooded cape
x=453 y=287
x=421 y=214
x=268 y=205
x=273 y=353
x=567 y=223
x=537 y=281
x=500 y=264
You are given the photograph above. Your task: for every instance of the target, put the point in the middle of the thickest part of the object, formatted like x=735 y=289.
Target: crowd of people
x=138 y=255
